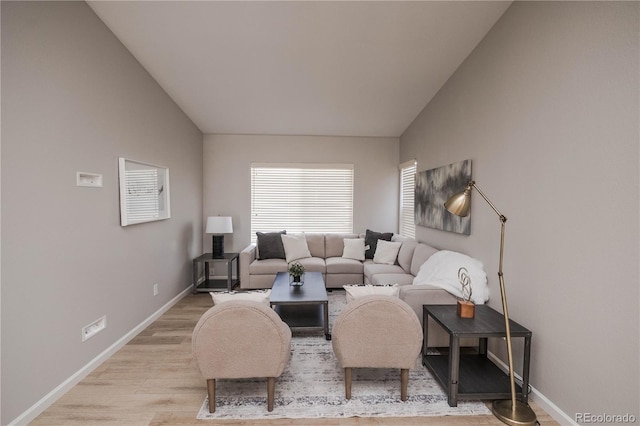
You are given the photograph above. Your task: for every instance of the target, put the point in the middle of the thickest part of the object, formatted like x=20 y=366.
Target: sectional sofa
x=326 y=252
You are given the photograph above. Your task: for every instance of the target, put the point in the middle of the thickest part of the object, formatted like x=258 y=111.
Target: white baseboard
x=537 y=396
x=36 y=409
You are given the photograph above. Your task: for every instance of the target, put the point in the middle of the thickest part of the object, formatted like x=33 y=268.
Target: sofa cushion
x=315 y=242
x=353 y=248
x=371 y=239
x=341 y=265
x=267 y=266
x=270 y=245
x=421 y=253
x=405 y=255
x=295 y=247
x=371 y=269
x=334 y=244
x=388 y=279
x=356 y=291
x=313 y=264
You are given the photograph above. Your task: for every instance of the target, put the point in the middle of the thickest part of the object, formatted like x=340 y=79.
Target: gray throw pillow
x=270 y=245
x=371 y=239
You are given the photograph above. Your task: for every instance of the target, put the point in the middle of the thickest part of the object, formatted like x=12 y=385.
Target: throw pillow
x=261 y=296
x=270 y=245
x=371 y=239
x=386 y=252
x=353 y=248
x=354 y=291
x=295 y=247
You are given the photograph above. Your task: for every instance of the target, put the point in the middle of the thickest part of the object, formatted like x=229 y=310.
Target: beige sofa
x=326 y=251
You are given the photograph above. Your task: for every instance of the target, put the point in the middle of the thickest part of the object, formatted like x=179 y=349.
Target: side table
x=474 y=375
x=215 y=284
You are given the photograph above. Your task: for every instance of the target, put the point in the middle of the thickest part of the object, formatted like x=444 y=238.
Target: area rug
x=312 y=386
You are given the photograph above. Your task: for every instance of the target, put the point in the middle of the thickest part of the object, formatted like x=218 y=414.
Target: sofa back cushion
x=315 y=242
x=405 y=255
x=421 y=253
x=334 y=244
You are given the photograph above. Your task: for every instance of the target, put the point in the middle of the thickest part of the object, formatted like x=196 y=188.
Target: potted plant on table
x=296 y=270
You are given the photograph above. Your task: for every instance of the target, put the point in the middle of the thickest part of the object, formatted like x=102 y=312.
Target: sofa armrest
x=247 y=256
x=416 y=295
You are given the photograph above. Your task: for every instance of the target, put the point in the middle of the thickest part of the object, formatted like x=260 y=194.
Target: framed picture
x=144 y=192
x=433 y=188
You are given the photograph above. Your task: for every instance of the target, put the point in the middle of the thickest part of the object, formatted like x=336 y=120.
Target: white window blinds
x=301 y=198
x=407 y=225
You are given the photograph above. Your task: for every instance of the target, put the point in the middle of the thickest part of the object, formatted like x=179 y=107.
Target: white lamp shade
x=219 y=225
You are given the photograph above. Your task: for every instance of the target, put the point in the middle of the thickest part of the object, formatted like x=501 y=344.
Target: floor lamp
x=513 y=411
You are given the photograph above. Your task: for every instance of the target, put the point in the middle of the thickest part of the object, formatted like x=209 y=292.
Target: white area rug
x=312 y=386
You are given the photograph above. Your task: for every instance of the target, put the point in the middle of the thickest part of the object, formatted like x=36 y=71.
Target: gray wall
x=547 y=108
x=74 y=99
x=227 y=178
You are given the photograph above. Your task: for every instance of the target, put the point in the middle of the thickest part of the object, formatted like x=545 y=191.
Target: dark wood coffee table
x=302 y=306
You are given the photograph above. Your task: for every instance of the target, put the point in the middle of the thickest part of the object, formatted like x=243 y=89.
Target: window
x=301 y=198
x=407 y=225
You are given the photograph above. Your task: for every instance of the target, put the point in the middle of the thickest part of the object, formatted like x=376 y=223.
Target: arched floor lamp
x=513 y=411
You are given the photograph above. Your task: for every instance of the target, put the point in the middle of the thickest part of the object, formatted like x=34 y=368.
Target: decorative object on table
x=466 y=308
x=144 y=192
x=511 y=412
x=431 y=188
x=218 y=226
x=296 y=270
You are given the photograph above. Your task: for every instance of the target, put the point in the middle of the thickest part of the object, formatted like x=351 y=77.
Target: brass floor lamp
x=513 y=411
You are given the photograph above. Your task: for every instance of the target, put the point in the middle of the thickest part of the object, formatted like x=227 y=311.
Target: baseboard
x=537 y=396
x=36 y=409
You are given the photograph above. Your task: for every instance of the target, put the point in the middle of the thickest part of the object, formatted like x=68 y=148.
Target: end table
x=473 y=376
x=215 y=284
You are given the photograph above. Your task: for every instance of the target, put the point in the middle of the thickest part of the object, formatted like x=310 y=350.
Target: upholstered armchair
x=377 y=332
x=241 y=339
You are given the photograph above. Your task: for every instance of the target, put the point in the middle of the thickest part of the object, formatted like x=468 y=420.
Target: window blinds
x=301 y=198
x=407 y=225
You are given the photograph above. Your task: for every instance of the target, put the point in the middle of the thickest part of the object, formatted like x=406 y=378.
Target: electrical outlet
x=94 y=328
x=155 y=289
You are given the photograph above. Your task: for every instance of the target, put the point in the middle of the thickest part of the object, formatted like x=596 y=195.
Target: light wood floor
x=152 y=381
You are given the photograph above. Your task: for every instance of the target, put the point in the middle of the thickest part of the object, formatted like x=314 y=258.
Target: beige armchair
x=243 y=339
x=377 y=332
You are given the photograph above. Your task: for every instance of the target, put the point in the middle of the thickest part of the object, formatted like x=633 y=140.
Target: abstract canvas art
x=433 y=188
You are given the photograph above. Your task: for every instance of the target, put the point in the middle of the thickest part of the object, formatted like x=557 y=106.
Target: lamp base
x=520 y=414
x=217 y=247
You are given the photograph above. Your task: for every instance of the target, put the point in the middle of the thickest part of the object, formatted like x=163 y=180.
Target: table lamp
x=218 y=226
x=511 y=412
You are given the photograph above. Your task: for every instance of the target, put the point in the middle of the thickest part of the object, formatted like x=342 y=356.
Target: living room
x=546 y=106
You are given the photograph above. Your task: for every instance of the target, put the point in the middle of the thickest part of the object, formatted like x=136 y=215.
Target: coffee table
x=302 y=306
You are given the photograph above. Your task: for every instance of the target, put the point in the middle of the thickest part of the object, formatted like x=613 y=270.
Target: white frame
x=164 y=206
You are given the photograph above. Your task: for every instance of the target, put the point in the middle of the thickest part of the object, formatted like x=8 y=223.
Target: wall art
x=144 y=192
x=433 y=188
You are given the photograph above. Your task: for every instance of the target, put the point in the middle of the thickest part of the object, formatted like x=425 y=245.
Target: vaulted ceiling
x=303 y=68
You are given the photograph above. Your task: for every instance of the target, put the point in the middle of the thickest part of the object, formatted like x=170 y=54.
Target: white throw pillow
x=386 y=252
x=354 y=291
x=261 y=296
x=295 y=247
x=353 y=248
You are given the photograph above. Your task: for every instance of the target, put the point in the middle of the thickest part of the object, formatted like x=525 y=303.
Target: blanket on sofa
x=441 y=270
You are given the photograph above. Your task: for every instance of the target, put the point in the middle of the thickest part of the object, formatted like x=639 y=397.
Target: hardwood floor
x=152 y=381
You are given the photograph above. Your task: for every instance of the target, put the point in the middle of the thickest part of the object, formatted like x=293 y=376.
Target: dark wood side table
x=215 y=284
x=473 y=375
